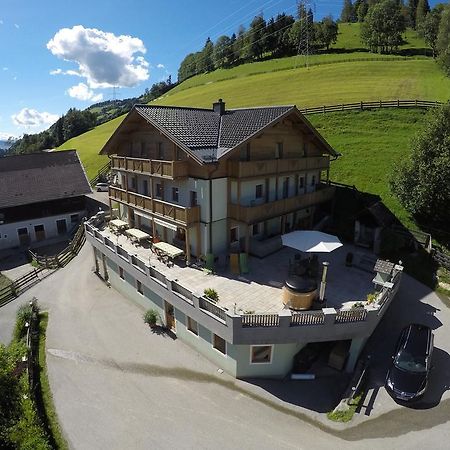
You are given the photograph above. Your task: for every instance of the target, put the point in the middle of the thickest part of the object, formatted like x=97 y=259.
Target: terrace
x=259 y=291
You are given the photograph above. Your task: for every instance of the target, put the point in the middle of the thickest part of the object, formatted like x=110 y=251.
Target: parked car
x=102 y=187
x=407 y=378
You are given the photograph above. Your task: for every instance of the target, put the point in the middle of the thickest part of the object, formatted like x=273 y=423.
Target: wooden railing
x=260 y=320
x=307 y=318
x=66 y=255
x=212 y=308
x=243 y=169
x=153 y=167
x=351 y=315
x=370 y=105
x=181 y=214
x=258 y=213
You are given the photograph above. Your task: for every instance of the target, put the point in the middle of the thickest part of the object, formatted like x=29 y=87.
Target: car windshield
x=411 y=363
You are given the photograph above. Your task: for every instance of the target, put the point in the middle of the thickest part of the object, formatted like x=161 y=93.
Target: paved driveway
x=116 y=385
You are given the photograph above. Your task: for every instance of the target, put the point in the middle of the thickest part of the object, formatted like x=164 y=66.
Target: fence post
x=323 y=109
x=398 y=103
x=361 y=107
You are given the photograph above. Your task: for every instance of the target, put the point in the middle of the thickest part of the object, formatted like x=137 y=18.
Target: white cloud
x=17 y=26
x=6 y=136
x=28 y=117
x=160 y=66
x=1 y=22
x=66 y=72
x=104 y=59
x=82 y=92
x=5 y=68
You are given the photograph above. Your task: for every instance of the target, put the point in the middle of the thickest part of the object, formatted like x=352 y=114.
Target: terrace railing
x=260 y=320
x=307 y=318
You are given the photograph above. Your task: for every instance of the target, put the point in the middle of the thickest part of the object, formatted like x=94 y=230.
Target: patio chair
x=234 y=263
x=243 y=260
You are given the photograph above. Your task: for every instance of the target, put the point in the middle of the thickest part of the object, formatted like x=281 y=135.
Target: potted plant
x=211 y=294
x=151 y=317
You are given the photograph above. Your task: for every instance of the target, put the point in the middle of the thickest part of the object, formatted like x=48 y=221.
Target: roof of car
x=417 y=338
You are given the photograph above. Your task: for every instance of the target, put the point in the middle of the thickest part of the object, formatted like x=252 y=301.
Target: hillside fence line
x=47 y=264
x=362 y=105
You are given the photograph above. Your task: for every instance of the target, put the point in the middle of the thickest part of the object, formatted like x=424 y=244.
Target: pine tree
x=348 y=12
x=423 y=8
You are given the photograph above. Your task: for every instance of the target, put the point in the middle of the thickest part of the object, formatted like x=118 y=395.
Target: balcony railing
x=244 y=169
x=153 y=167
x=258 y=213
x=181 y=214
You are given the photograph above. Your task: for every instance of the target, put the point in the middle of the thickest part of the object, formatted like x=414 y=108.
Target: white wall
x=8 y=232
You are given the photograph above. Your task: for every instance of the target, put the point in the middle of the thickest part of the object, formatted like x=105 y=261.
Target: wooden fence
x=66 y=255
x=23 y=283
x=360 y=106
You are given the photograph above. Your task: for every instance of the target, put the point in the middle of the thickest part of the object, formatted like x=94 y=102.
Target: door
x=61 y=226
x=24 y=238
x=170 y=316
x=145 y=186
x=39 y=231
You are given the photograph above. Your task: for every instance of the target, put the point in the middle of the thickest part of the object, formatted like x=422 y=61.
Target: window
x=139 y=287
x=133 y=183
x=61 y=226
x=301 y=182
x=255 y=229
x=159 y=190
x=121 y=274
x=192 y=325
x=219 y=344
x=234 y=234
x=286 y=187
x=261 y=354
x=145 y=187
x=175 y=194
x=39 y=232
x=313 y=180
x=160 y=150
x=279 y=150
x=259 y=191
x=193 y=198
x=73 y=218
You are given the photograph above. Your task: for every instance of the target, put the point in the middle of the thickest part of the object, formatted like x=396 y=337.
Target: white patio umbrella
x=310 y=241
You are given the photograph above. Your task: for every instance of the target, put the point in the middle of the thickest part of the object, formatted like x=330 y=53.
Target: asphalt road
x=117 y=385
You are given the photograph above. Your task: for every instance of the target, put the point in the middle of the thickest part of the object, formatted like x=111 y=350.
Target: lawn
x=371 y=142
x=323 y=84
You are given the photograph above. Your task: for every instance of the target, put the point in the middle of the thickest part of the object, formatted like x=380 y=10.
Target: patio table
x=137 y=235
x=118 y=224
x=170 y=250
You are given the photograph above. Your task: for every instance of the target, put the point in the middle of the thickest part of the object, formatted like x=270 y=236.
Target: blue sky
x=61 y=54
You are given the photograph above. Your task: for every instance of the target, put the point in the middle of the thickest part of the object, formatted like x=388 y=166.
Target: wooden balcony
x=158 y=208
x=255 y=214
x=248 y=169
x=151 y=167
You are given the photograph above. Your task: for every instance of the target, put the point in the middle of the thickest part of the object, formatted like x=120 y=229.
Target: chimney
x=219 y=107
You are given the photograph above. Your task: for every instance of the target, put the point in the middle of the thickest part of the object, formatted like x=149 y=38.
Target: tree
x=256 y=37
x=412 y=8
x=430 y=28
x=223 y=52
x=423 y=8
x=348 y=12
x=443 y=40
x=361 y=8
x=326 y=32
x=421 y=181
x=205 y=59
x=383 y=26
x=188 y=66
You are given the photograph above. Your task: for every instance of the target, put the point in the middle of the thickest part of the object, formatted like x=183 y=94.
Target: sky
x=71 y=53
